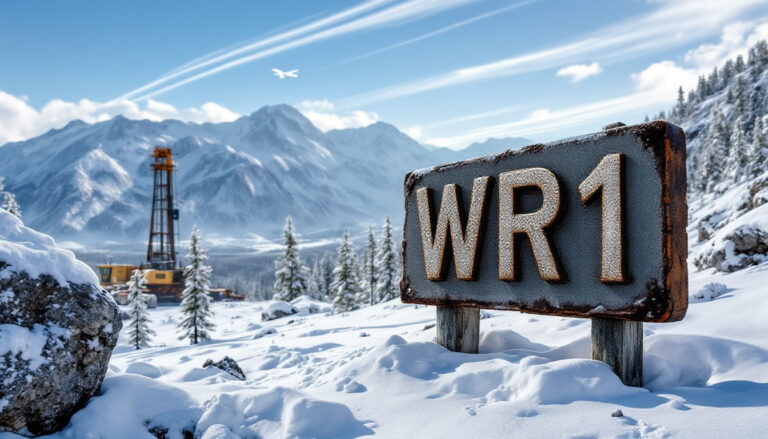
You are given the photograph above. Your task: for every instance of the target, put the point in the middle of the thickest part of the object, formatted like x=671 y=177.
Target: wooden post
x=619 y=344
x=458 y=328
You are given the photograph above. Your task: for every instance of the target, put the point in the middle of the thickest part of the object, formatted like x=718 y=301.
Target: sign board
x=593 y=226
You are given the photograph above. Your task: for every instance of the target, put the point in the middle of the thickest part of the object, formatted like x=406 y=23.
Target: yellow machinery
x=115 y=274
x=164 y=277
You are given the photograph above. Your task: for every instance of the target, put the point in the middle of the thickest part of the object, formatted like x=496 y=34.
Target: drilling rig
x=161 y=269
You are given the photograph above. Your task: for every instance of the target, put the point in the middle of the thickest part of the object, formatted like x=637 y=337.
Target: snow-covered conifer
x=386 y=266
x=369 y=268
x=315 y=284
x=10 y=205
x=291 y=274
x=327 y=266
x=757 y=150
x=139 y=331
x=196 y=297
x=346 y=285
x=737 y=159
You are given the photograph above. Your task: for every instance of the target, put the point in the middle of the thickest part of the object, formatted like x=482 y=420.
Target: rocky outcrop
x=57 y=331
x=740 y=248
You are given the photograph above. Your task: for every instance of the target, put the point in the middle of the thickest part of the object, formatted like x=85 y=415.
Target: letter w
x=464 y=242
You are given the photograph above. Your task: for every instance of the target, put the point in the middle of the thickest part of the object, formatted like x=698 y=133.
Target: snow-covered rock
x=57 y=331
x=709 y=291
x=278 y=309
x=228 y=365
x=740 y=243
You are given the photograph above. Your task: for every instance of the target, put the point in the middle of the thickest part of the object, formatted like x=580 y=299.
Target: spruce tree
x=757 y=150
x=196 y=297
x=737 y=160
x=291 y=274
x=139 y=331
x=346 y=285
x=315 y=284
x=370 y=274
x=386 y=266
x=10 y=205
x=327 y=266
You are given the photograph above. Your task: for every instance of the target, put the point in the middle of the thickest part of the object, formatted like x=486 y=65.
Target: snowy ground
x=377 y=372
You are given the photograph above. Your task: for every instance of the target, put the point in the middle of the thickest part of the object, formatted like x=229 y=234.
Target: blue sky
x=448 y=72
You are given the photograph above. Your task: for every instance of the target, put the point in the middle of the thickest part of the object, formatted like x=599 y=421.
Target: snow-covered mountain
x=92 y=182
x=725 y=120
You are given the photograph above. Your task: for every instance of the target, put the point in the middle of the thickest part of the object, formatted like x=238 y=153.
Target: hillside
x=725 y=120
x=91 y=183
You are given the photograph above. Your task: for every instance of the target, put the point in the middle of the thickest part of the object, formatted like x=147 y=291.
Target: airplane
x=289 y=74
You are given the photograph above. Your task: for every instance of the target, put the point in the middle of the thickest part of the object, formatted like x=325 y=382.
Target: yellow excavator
x=164 y=276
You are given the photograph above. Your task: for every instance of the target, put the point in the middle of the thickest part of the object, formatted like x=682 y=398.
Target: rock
x=228 y=365
x=758 y=192
x=740 y=248
x=262 y=332
x=709 y=291
x=617 y=414
x=278 y=309
x=57 y=331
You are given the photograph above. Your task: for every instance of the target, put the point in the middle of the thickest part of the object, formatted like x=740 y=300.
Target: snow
x=313 y=375
x=24 y=249
x=27 y=343
x=278 y=309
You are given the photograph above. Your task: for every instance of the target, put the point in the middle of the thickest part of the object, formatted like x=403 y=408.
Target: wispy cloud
x=543 y=120
x=580 y=72
x=388 y=16
x=433 y=33
x=228 y=53
x=654 y=86
x=674 y=22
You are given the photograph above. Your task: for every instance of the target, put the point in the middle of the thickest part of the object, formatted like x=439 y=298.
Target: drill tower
x=161 y=250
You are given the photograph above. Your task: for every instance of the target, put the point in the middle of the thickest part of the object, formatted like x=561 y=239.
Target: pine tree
x=346 y=285
x=196 y=298
x=717 y=148
x=386 y=266
x=139 y=332
x=291 y=274
x=757 y=150
x=679 y=112
x=737 y=159
x=326 y=272
x=370 y=274
x=315 y=286
x=10 y=205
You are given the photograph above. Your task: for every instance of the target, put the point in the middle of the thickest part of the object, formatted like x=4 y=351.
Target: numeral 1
x=607 y=177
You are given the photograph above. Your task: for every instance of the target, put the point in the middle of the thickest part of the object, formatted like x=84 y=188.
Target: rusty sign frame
x=651 y=155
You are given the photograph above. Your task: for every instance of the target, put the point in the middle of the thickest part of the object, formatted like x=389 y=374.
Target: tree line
x=727 y=112
x=351 y=281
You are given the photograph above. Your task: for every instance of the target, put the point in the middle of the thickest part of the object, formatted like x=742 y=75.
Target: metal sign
x=592 y=226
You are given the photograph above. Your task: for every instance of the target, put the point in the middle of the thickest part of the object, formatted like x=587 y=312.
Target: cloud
x=580 y=72
x=391 y=15
x=674 y=22
x=433 y=33
x=321 y=114
x=19 y=120
x=736 y=39
x=662 y=79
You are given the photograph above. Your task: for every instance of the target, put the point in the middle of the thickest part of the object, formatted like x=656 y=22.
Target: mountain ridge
x=91 y=183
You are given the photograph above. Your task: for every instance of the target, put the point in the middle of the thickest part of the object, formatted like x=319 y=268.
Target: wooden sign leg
x=458 y=328
x=619 y=344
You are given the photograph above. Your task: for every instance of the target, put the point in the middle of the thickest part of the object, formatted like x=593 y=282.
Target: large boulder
x=57 y=331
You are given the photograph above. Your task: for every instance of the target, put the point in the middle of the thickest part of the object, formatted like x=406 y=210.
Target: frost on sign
x=586 y=227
